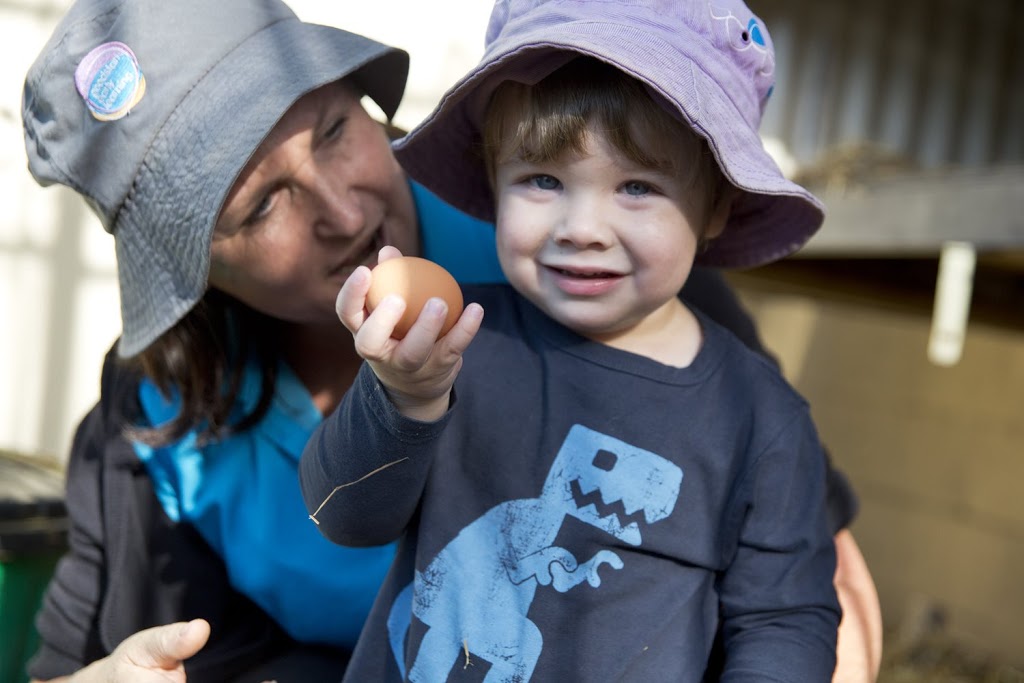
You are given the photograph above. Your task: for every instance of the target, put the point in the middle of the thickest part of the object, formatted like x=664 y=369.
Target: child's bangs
x=535 y=126
x=548 y=120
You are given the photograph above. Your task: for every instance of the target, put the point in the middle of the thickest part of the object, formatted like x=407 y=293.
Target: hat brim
x=212 y=134
x=773 y=217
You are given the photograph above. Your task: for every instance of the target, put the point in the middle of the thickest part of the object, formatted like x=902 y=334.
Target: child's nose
x=583 y=225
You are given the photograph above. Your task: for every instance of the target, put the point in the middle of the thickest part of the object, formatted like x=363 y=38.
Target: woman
x=225 y=148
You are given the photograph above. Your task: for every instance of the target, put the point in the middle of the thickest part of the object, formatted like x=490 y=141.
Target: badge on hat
x=110 y=81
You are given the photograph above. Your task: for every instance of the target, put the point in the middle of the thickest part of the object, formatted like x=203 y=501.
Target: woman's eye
x=335 y=129
x=544 y=182
x=636 y=188
x=261 y=211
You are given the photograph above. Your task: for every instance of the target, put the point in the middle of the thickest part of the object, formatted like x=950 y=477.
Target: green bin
x=33 y=535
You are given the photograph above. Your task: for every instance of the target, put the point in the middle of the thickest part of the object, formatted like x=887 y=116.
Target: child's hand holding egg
x=415 y=280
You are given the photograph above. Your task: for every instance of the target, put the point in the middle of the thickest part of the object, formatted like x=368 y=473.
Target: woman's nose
x=341 y=213
x=336 y=205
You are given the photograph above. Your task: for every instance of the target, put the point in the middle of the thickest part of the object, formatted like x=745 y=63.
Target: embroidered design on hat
x=743 y=37
x=110 y=81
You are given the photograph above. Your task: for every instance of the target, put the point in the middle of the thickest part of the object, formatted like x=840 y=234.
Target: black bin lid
x=33 y=517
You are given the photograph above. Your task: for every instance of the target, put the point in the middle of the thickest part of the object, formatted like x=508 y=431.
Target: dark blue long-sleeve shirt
x=586 y=514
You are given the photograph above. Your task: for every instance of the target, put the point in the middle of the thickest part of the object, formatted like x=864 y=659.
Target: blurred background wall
x=906 y=117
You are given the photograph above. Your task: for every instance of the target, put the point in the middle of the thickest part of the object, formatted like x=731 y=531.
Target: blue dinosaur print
x=475 y=594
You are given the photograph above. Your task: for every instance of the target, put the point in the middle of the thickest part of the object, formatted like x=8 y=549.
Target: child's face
x=599 y=243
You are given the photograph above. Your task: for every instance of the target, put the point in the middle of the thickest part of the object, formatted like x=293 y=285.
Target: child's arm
x=363 y=470
x=778 y=602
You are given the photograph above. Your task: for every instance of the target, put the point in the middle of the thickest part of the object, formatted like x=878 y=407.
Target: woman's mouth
x=366 y=256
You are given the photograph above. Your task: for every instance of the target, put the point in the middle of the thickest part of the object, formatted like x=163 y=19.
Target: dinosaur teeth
x=614 y=510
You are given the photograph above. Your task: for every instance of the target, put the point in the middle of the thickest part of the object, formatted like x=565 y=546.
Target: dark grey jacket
x=129 y=567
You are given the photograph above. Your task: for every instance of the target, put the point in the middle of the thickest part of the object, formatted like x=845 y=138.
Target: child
x=613 y=476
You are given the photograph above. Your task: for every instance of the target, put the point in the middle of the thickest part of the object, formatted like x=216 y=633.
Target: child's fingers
x=462 y=333
x=351 y=302
x=419 y=344
x=373 y=340
x=386 y=253
x=419 y=341
x=424 y=345
x=422 y=366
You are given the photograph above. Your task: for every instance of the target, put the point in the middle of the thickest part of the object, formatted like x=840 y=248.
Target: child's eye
x=636 y=188
x=544 y=182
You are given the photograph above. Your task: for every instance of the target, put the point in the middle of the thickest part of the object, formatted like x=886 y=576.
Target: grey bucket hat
x=150 y=109
x=710 y=62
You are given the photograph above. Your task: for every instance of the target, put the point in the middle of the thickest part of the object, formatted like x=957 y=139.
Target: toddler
x=590 y=486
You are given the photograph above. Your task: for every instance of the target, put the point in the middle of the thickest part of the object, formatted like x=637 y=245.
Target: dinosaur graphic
x=475 y=594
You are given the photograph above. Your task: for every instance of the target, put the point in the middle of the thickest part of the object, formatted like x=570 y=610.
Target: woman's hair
x=202 y=360
x=542 y=122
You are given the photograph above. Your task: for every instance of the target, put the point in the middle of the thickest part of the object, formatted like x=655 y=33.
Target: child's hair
x=542 y=122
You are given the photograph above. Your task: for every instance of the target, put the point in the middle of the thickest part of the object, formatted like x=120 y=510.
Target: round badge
x=110 y=81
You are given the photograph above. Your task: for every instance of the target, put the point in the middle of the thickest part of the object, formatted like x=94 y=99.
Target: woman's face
x=320 y=196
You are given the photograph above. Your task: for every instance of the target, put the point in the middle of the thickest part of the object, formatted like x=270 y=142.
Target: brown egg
x=415 y=280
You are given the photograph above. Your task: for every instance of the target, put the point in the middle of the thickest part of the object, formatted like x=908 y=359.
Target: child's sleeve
x=364 y=468
x=778 y=603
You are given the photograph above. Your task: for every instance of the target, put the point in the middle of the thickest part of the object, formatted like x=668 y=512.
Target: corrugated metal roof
x=931 y=83
x=875 y=98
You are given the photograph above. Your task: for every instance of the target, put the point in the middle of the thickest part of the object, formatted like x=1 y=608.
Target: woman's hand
x=859 y=653
x=419 y=370
x=155 y=655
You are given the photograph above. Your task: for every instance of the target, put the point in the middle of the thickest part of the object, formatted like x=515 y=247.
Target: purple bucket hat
x=711 y=62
